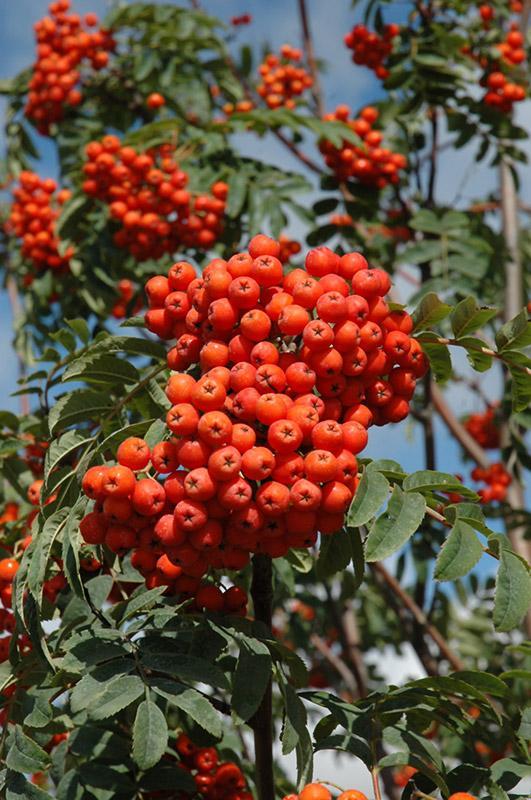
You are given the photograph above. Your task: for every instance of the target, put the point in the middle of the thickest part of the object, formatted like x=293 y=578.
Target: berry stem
x=262 y=594
x=376 y=784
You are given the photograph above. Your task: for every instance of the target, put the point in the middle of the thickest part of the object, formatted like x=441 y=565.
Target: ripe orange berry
x=8 y=569
x=133 y=453
x=315 y=791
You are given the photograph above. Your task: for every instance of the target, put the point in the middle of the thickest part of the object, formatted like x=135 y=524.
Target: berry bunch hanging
x=35 y=209
x=283 y=78
x=483 y=427
x=496 y=478
x=148 y=196
x=290 y=370
x=214 y=780
x=369 y=163
x=503 y=86
x=64 y=43
x=371 y=49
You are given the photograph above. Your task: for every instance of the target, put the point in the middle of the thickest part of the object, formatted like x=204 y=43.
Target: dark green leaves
x=389 y=532
x=336 y=551
x=25 y=755
x=150 y=735
x=429 y=312
x=251 y=679
x=191 y=702
x=102 y=699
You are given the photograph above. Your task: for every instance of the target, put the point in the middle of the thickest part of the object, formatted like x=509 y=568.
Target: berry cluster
x=63 y=44
x=317 y=791
x=370 y=49
x=126 y=291
x=484 y=428
x=35 y=209
x=293 y=368
x=214 y=780
x=242 y=19
x=501 y=92
x=283 y=78
x=497 y=479
x=288 y=248
x=147 y=195
x=369 y=163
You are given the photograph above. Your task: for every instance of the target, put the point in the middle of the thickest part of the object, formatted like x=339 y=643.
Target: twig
x=336 y=663
x=457 y=429
x=310 y=58
x=419 y=616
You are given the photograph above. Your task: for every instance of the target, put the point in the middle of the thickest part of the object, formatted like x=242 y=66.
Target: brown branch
x=16 y=311
x=457 y=429
x=310 y=57
x=419 y=616
x=336 y=663
x=302 y=157
x=262 y=721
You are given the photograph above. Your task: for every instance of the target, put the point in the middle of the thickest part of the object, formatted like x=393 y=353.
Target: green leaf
x=390 y=531
x=468 y=317
x=430 y=311
x=513 y=586
x=150 y=735
x=426 y=221
x=38 y=553
x=238 y=183
x=25 y=755
x=525 y=724
x=460 y=552
x=421 y=252
x=101 y=369
x=251 y=678
x=515 y=334
x=335 y=552
x=78 y=406
x=371 y=494
x=80 y=327
x=295 y=719
x=163 y=658
x=102 y=700
x=440 y=360
x=190 y=702
x=65 y=445
x=428 y=480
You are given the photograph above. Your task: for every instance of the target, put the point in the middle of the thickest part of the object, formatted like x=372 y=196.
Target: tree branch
x=419 y=616
x=262 y=721
x=457 y=429
x=310 y=57
x=336 y=663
